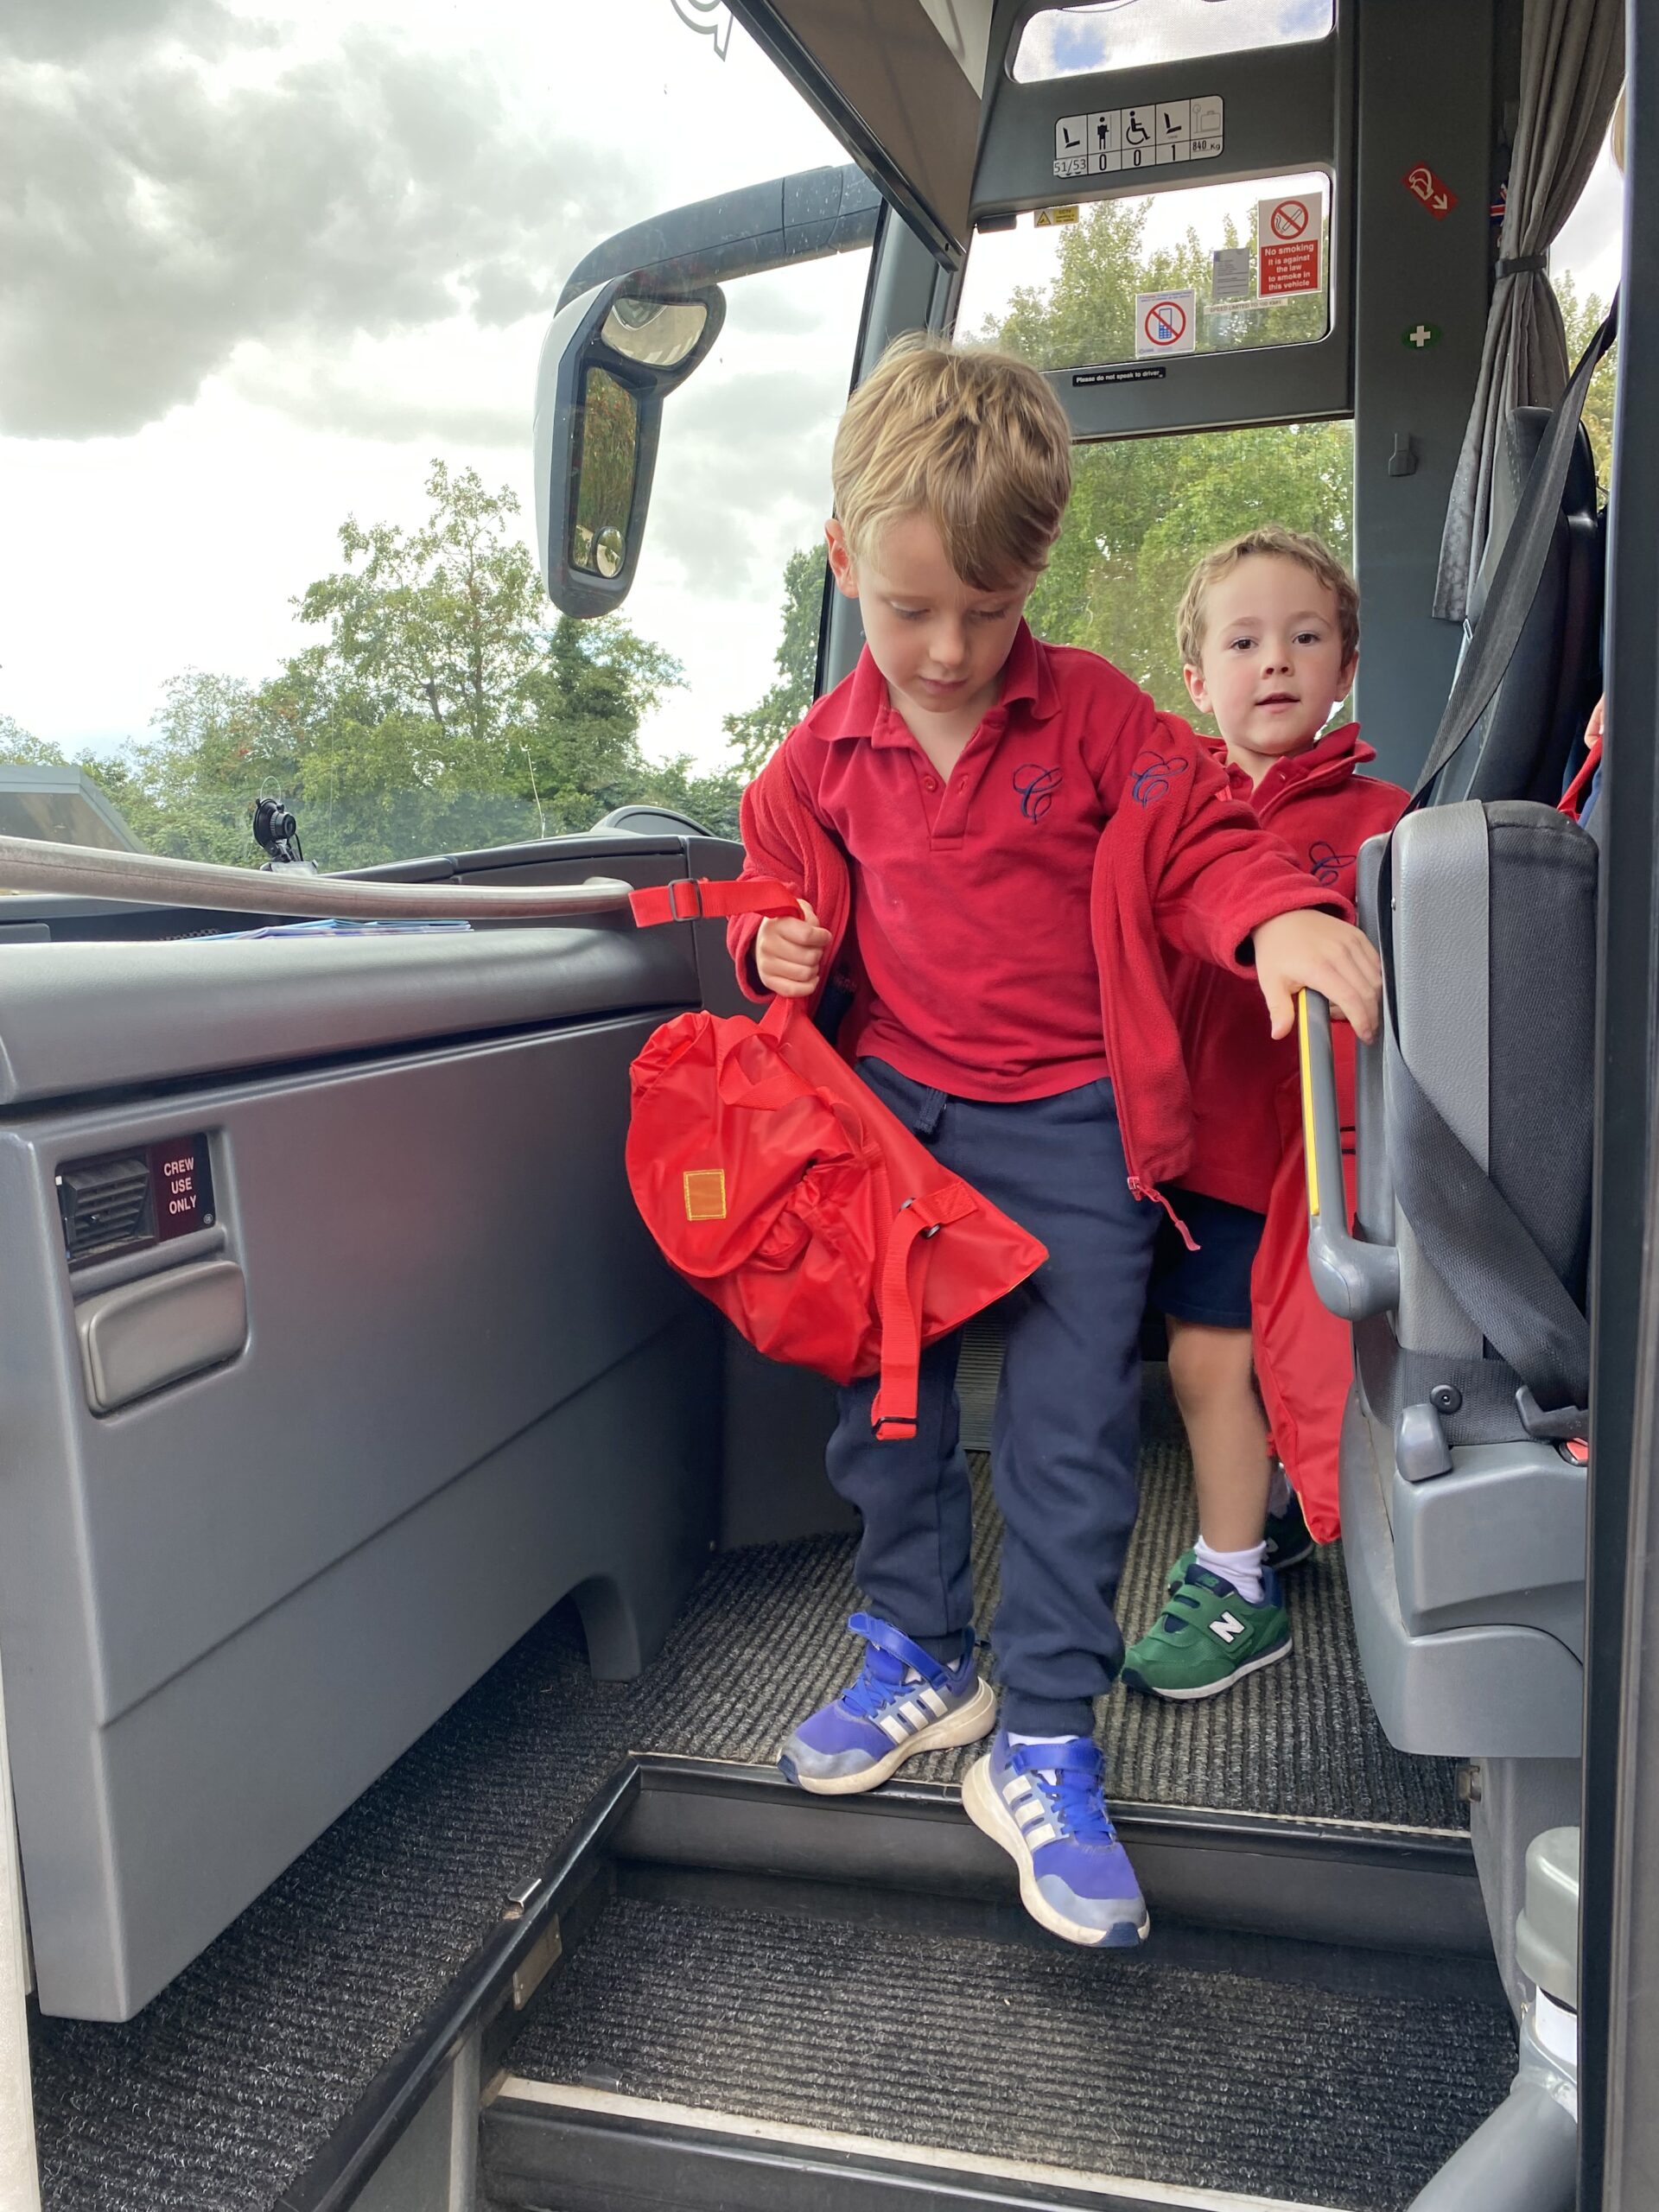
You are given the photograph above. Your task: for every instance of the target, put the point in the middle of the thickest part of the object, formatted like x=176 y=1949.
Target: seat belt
x=1521 y=566
x=1474 y=1240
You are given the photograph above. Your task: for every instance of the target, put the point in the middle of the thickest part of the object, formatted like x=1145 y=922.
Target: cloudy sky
x=260 y=260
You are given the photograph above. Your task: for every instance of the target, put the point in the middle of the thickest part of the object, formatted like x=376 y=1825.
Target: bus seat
x=1463 y=1514
x=1521 y=747
x=1463 y=1533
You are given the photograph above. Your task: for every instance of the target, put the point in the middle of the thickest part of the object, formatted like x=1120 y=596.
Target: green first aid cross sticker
x=1420 y=336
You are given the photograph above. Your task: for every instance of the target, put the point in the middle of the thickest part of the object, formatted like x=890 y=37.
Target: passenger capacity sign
x=1105 y=142
x=1165 y=322
x=1289 y=245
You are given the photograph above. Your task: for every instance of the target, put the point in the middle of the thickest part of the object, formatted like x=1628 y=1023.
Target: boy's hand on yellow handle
x=788 y=954
x=1310 y=951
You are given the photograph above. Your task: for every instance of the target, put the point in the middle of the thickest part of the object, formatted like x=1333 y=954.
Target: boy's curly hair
x=1314 y=555
x=974 y=440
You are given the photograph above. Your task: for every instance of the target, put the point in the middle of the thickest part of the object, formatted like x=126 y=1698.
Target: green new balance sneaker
x=1288 y=1538
x=1209 y=1638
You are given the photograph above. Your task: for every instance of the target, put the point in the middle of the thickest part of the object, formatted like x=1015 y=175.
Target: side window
x=1131 y=34
x=1584 y=268
x=732 y=574
x=1143 y=509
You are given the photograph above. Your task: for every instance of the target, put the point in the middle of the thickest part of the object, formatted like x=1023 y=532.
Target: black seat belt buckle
x=1563 y=1426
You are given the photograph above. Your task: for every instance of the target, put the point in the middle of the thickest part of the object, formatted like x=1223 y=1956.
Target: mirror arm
x=806 y=217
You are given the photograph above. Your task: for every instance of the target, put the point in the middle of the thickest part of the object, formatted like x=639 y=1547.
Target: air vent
x=105 y=1205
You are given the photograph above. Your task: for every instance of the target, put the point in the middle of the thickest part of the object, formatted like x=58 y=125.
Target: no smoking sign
x=1165 y=322
x=1289 y=245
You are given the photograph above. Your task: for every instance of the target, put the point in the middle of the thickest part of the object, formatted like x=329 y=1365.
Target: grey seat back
x=1493 y=943
x=1521 y=747
x=1464 y=1532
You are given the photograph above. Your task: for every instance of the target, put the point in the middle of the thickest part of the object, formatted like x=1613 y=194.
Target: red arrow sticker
x=1435 y=193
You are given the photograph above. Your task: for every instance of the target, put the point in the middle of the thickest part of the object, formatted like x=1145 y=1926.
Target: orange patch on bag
x=705 y=1193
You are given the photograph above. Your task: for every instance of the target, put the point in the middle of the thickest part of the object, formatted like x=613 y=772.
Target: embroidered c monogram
x=1152 y=774
x=1327 y=863
x=1036 y=786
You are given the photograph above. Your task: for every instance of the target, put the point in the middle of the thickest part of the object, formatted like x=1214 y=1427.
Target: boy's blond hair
x=974 y=440
x=1301 y=545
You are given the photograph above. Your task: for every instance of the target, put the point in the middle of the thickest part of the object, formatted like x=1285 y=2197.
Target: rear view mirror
x=611 y=356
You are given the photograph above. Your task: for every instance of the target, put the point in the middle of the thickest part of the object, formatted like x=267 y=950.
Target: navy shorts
x=1211 y=1285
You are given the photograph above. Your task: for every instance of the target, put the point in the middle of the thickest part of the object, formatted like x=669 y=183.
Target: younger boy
x=982 y=830
x=1269 y=634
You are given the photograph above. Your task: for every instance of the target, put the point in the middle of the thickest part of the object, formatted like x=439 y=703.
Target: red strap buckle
x=693 y=911
x=894 y=1428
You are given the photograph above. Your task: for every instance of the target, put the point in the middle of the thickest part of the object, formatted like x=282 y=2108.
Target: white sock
x=1280 y=1492
x=1043 y=1743
x=1242 y=1569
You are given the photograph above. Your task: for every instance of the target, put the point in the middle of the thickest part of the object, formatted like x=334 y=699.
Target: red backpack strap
x=1572 y=798
x=697 y=898
x=893 y=1416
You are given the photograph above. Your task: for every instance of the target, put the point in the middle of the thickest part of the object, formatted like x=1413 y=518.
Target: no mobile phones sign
x=1165 y=322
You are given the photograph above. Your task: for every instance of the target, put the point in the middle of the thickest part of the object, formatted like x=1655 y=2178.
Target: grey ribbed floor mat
x=226 y=2086
x=1323 y=2090
x=759 y=1648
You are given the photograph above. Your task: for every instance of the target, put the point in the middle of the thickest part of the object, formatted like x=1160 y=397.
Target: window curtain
x=1572 y=66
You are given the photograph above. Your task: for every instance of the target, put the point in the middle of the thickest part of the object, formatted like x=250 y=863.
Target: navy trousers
x=1065 y=1439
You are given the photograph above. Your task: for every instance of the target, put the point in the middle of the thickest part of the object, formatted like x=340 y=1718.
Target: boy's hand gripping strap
x=893 y=1415
x=695 y=899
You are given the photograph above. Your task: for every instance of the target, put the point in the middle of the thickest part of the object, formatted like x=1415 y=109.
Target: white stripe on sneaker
x=1037 y=1836
x=912 y=1714
x=892 y=1725
x=934 y=1703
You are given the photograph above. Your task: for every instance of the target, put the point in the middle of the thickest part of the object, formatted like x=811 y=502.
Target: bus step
x=787 y=2004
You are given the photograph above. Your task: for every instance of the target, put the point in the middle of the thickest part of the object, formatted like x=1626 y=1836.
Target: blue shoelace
x=1075 y=1804
x=873 y=1690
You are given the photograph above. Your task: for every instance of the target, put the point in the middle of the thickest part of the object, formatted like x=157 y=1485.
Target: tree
x=1142 y=508
x=23 y=746
x=437 y=709
x=1582 y=319
x=757 y=734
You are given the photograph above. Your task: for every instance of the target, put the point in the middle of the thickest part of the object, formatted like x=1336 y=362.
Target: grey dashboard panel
x=80 y=1018
x=469 y=1388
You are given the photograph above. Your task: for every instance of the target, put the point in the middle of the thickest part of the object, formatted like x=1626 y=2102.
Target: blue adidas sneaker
x=1045 y=1805
x=902 y=1703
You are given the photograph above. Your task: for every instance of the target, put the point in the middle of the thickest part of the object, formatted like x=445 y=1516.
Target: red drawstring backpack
x=779 y=1185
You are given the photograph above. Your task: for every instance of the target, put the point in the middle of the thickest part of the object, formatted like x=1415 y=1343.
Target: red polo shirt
x=970 y=905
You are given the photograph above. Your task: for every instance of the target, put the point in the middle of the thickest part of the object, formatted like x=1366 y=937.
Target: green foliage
x=1087 y=313
x=19 y=745
x=1582 y=319
x=1142 y=508
x=435 y=712
x=757 y=734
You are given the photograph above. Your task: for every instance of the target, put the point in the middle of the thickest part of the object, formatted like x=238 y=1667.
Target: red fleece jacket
x=1322 y=812
x=1178 y=859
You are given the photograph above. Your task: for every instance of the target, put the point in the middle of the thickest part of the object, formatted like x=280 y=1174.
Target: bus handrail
x=156 y=878
x=1354 y=1279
